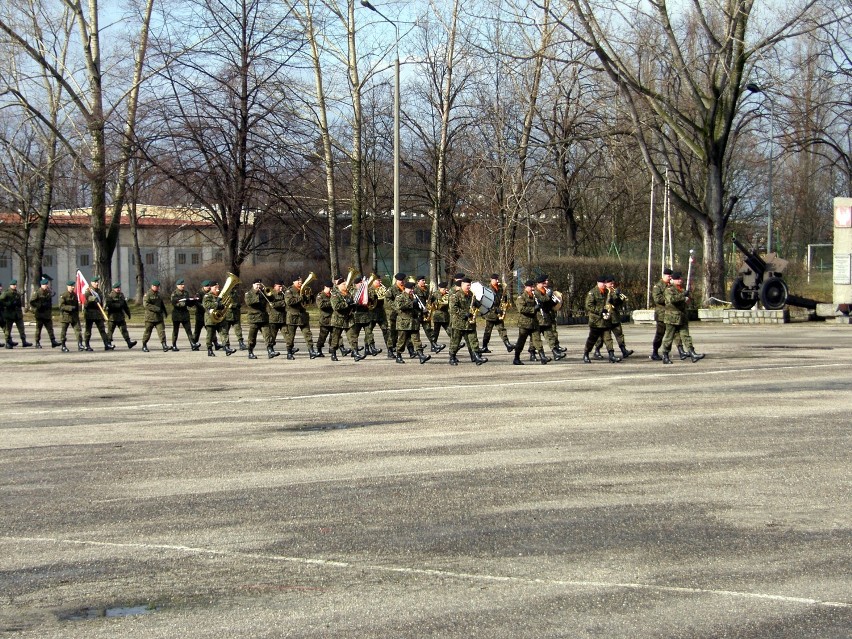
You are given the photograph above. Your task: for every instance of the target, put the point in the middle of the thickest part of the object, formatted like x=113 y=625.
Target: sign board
x=842 y=269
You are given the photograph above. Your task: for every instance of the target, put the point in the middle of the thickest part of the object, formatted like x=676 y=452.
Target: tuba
x=218 y=314
x=558 y=298
x=306 y=291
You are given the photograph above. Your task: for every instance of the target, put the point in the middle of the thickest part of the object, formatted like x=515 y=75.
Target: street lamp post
x=396 y=212
x=753 y=88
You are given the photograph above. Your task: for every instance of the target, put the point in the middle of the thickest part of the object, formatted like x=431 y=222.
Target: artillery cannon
x=762 y=279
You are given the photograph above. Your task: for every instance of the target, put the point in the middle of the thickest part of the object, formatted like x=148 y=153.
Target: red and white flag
x=81 y=287
x=362 y=295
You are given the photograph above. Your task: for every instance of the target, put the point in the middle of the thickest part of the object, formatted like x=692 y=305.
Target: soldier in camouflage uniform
x=181 y=303
x=155 y=316
x=233 y=317
x=117 y=308
x=599 y=310
x=421 y=290
x=277 y=309
x=323 y=302
x=658 y=294
x=200 y=314
x=42 y=304
x=213 y=306
x=528 y=313
x=341 y=306
x=13 y=314
x=397 y=287
x=408 y=318
x=494 y=316
x=69 y=315
x=258 y=320
x=380 y=317
x=94 y=314
x=618 y=304
x=677 y=320
x=462 y=305
x=440 y=301
x=298 y=318
x=546 y=318
x=362 y=319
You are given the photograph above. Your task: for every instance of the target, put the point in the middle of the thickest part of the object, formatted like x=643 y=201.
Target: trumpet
x=349 y=277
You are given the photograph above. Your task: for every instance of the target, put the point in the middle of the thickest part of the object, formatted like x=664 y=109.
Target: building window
x=149 y=259
x=4 y=261
x=84 y=259
x=195 y=258
x=218 y=256
x=423 y=236
x=47 y=261
x=181 y=258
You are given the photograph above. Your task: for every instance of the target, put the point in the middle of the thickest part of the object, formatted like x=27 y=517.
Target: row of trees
x=532 y=127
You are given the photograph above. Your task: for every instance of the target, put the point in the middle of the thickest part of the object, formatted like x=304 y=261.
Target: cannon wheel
x=740 y=301
x=773 y=294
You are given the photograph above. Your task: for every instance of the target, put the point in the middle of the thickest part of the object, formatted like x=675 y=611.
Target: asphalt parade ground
x=178 y=495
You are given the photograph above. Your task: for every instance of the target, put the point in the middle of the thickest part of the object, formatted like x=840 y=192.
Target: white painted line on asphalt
x=807 y=601
x=184 y=404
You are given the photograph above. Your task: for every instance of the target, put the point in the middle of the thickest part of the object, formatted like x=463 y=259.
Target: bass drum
x=485 y=296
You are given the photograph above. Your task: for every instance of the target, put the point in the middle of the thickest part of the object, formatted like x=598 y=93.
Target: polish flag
x=362 y=296
x=81 y=286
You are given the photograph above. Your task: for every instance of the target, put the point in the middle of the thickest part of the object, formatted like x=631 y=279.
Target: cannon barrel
x=752 y=259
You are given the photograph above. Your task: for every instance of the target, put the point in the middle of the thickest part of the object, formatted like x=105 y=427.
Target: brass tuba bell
x=218 y=314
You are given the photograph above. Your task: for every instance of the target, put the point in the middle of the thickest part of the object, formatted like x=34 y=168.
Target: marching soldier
x=421 y=290
x=117 y=308
x=618 y=304
x=409 y=312
x=324 y=305
x=69 y=315
x=658 y=294
x=341 y=305
x=181 y=303
x=277 y=308
x=380 y=317
x=554 y=332
x=200 y=314
x=258 y=320
x=599 y=309
x=440 y=301
x=546 y=317
x=155 y=315
x=362 y=318
x=397 y=287
x=94 y=314
x=677 y=320
x=494 y=316
x=297 y=317
x=42 y=304
x=232 y=316
x=462 y=305
x=528 y=313
x=13 y=314
x=214 y=321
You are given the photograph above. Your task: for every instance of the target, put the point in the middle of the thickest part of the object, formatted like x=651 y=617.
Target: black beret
x=609 y=278
x=541 y=279
x=257 y=280
x=442 y=285
x=359 y=279
x=458 y=276
x=399 y=276
x=667 y=271
x=421 y=277
x=466 y=280
x=529 y=283
x=601 y=278
x=494 y=276
x=280 y=283
x=328 y=283
x=409 y=285
x=677 y=275
x=213 y=283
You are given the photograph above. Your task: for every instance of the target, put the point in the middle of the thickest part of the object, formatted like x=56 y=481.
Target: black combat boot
x=655 y=356
x=243 y=345
x=196 y=346
x=423 y=358
x=175 y=348
x=612 y=358
x=313 y=354
x=166 y=348
x=561 y=349
x=80 y=346
x=597 y=353
x=533 y=356
x=334 y=355
x=509 y=346
x=399 y=359
x=557 y=355
x=695 y=356
x=64 y=348
x=517 y=361
x=478 y=359
x=9 y=344
x=485 y=348
x=625 y=353
x=319 y=352
x=358 y=354
x=38 y=345
x=271 y=352
x=682 y=351
x=54 y=343
x=391 y=353
x=228 y=350
x=586 y=359
x=437 y=348
x=108 y=346
x=131 y=343
x=666 y=359
x=25 y=343
x=291 y=354
x=376 y=351
x=210 y=352
x=453 y=360
x=251 y=354
x=544 y=358
x=88 y=347
x=145 y=347
x=346 y=352
x=411 y=353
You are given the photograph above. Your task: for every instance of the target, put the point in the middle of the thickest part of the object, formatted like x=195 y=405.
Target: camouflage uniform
x=380 y=319
x=277 y=307
x=94 y=314
x=599 y=322
x=441 y=313
x=200 y=315
x=658 y=294
x=297 y=317
x=528 y=314
x=232 y=316
x=341 y=305
x=677 y=323
x=212 y=302
x=42 y=304
x=69 y=315
x=408 y=318
x=155 y=316
x=258 y=320
x=323 y=303
x=493 y=320
x=391 y=311
x=461 y=309
x=181 y=303
x=13 y=314
x=546 y=319
x=619 y=308
x=117 y=308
